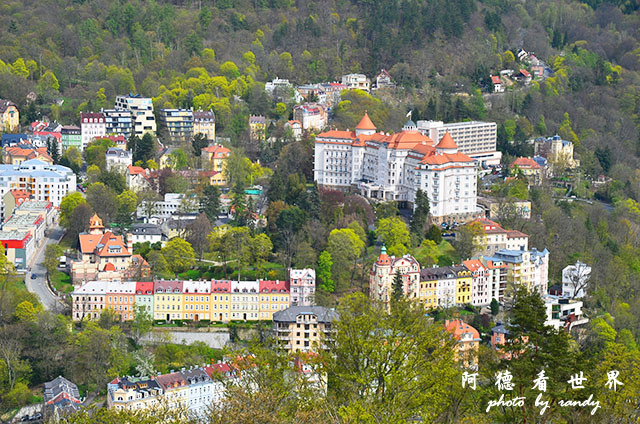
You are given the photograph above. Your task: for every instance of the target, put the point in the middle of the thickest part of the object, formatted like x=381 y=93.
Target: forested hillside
x=218 y=53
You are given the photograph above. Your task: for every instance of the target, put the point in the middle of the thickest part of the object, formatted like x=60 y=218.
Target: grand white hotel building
x=393 y=167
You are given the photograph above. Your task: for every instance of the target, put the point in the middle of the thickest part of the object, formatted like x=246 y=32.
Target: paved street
x=39 y=284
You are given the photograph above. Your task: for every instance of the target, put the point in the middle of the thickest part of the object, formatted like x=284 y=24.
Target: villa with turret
x=388 y=167
x=105 y=256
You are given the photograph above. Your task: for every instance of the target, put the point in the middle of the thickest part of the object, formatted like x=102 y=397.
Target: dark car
x=34 y=276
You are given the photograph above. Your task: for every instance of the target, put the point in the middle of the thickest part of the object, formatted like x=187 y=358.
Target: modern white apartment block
x=474 y=138
x=92 y=125
x=302 y=286
x=40 y=179
x=563 y=313
x=393 y=167
x=141 y=109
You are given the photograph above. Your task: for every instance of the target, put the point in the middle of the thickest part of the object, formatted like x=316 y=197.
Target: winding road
x=39 y=285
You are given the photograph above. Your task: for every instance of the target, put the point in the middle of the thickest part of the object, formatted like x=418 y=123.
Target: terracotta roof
x=344 y=135
x=525 y=73
x=446 y=142
x=526 y=163
x=516 y=234
x=95 y=221
x=109 y=267
x=459 y=327
x=442 y=158
x=100 y=244
x=27 y=153
x=473 y=264
x=365 y=123
x=495 y=79
x=19 y=195
x=383 y=259
x=135 y=170
x=217 y=151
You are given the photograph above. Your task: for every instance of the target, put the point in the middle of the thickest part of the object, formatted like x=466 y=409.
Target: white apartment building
x=200 y=391
x=393 y=167
x=89 y=300
x=245 y=300
x=141 y=109
x=359 y=81
x=118 y=159
x=475 y=138
x=302 y=286
x=564 y=313
x=496 y=277
x=40 y=179
x=92 y=125
x=173 y=203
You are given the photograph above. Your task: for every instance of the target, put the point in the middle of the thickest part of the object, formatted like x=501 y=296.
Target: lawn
x=61 y=282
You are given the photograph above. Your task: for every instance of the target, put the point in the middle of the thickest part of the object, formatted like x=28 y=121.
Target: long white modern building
x=393 y=167
x=474 y=138
x=40 y=179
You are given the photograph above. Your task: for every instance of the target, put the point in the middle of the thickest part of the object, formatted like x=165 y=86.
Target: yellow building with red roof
x=15 y=155
x=392 y=167
x=217 y=156
x=468 y=341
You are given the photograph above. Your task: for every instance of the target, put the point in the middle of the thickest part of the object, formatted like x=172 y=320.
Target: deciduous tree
x=179 y=255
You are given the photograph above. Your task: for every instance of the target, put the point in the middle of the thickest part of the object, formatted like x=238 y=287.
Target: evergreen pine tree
x=398 y=289
x=419 y=219
x=495 y=307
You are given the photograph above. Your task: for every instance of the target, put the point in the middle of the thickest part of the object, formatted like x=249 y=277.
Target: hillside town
x=443 y=162
x=319 y=212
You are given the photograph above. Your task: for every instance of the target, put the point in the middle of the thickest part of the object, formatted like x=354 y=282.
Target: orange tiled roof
x=446 y=142
x=217 y=151
x=442 y=158
x=365 y=123
x=100 y=243
x=135 y=170
x=459 y=327
x=525 y=163
x=16 y=151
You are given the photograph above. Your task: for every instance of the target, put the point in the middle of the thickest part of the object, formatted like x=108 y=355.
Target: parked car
x=34 y=276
